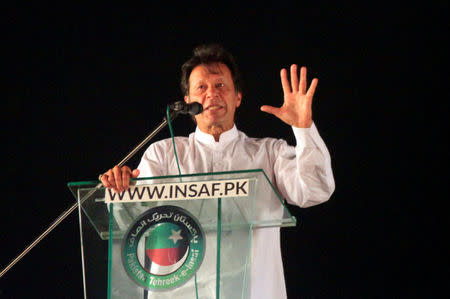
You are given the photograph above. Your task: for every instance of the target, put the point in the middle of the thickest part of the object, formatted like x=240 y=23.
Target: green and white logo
x=163 y=248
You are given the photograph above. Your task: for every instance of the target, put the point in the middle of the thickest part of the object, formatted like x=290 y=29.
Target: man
x=302 y=174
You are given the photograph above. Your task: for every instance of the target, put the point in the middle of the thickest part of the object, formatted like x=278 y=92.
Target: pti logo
x=163 y=249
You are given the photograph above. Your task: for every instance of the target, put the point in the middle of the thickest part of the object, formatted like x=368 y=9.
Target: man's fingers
x=110 y=177
x=270 y=109
x=125 y=180
x=104 y=180
x=135 y=173
x=312 y=88
x=109 y=181
x=294 y=78
x=118 y=178
x=303 y=80
x=126 y=173
x=285 y=81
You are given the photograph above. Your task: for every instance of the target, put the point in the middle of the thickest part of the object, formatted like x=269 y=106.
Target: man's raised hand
x=297 y=107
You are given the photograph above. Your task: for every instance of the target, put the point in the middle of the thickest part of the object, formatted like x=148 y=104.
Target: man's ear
x=239 y=99
x=186 y=99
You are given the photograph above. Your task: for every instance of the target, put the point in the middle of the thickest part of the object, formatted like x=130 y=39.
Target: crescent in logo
x=166 y=248
x=163 y=248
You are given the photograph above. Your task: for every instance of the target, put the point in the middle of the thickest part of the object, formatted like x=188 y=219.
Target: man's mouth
x=213 y=107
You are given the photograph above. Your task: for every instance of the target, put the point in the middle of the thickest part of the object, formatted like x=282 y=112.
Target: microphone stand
x=63 y=216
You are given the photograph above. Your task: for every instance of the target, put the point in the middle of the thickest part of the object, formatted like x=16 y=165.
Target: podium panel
x=191 y=237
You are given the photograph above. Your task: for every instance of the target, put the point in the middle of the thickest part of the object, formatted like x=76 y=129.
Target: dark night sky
x=86 y=84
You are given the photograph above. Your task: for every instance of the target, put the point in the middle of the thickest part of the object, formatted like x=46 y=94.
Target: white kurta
x=302 y=175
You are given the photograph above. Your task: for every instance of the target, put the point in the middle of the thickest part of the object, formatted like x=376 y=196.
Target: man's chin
x=210 y=119
x=217 y=125
x=214 y=112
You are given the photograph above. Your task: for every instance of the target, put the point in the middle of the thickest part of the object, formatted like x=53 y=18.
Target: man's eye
x=220 y=85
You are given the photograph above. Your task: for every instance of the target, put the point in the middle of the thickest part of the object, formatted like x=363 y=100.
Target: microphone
x=182 y=107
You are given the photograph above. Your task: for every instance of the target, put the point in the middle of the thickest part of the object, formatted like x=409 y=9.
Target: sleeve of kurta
x=303 y=174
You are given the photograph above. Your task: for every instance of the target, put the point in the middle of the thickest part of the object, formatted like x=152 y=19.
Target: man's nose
x=211 y=92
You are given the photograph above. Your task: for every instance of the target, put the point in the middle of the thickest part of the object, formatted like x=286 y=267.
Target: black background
x=86 y=84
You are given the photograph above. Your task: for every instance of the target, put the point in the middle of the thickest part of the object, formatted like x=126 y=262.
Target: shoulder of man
x=168 y=141
x=268 y=142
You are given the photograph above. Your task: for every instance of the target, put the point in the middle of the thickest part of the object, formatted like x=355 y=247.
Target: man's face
x=213 y=87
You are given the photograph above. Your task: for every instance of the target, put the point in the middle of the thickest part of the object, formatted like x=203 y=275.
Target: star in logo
x=176 y=235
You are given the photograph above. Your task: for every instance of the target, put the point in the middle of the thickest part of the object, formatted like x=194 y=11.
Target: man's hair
x=207 y=55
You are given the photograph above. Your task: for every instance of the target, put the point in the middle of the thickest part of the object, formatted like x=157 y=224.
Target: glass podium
x=184 y=236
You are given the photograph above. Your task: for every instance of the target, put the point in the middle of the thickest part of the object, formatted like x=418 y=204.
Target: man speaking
x=302 y=174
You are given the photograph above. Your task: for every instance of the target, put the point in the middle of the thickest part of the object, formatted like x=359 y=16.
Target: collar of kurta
x=225 y=137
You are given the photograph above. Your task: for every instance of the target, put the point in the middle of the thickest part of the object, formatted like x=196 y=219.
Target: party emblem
x=163 y=248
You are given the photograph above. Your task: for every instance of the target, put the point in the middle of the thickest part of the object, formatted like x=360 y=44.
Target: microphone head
x=185 y=108
x=195 y=108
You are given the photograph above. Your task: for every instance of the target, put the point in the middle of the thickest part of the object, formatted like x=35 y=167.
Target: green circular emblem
x=163 y=248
